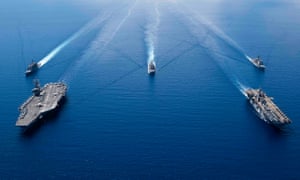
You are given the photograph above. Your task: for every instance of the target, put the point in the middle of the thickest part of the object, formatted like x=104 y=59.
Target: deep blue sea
x=188 y=121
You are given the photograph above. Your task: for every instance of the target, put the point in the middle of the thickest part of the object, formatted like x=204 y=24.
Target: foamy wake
x=249 y=58
x=85 y=29
x=151 y=35
x=196 y=23
x=106 y=35
x=242 y=88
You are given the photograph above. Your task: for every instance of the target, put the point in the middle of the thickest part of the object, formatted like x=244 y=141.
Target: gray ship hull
x=265 y=108
x=37 y=107
x=151 y=68
x=32 y=68
x=266 y=117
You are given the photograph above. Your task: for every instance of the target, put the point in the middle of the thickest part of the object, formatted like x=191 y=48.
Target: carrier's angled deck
x=266 y=109
x=43 y=100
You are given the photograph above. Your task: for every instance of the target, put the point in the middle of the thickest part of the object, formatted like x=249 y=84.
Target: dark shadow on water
x=51 y=117
x=151 y=78
x=32 y=75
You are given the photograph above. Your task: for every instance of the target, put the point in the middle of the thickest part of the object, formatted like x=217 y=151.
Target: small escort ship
x=43 y=101
x=31 y=68
x=265 y=108
x=151 y=67
x=257 y=62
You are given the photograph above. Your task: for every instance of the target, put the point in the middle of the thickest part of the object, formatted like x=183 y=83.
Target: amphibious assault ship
x=43 y=101
x=151 y=67
x=31 y=68
x=265 y=108
x=257 y=62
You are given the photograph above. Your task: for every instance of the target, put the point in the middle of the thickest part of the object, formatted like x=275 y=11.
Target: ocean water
x=189 y=121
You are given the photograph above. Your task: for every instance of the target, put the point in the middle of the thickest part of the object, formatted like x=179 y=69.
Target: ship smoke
x=85 y=29
x=151 y=35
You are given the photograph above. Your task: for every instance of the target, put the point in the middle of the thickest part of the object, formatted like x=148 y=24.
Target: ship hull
x=32 y=68
x=259 y=66
x=259 y=113
x=45 y=117
x=40 y=106
x=151 y=72
x=28 y=73
x=151 y=68
x=265 y=108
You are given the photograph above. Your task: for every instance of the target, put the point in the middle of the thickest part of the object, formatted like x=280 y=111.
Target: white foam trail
x=224 y=36
x=196 y=27
x=196 y=20
x=150 y=39
x=97 y=45
x=233 y=78
x=89 y=26
x=221 y=34
x=107 y=35
x=242 y=88
x=249 y=58
x=122 y=22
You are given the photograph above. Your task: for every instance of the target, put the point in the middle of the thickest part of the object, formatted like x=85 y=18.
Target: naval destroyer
x=151 y=67
x=31 y=68
x=43 y=101
x=265 y=108
x=257 y=62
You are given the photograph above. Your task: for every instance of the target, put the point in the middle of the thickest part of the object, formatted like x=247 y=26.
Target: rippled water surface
x=188 y=121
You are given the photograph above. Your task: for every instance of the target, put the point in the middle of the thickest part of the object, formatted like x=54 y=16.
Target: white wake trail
x=85 y=29
x=151 y=35
x=202 y=30
x=122 y=22
x=195 y=19
x=98 y=44
x=242 y=88
x=249 y=58
x=107 y=34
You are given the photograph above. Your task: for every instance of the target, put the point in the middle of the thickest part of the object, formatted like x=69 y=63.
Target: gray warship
x=31 y=68
x=43 y=101
x=151 y=67
x=265 y=108
x=257 y=62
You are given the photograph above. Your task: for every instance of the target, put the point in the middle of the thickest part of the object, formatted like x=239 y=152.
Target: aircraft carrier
x=43 y=101
x=265 y=108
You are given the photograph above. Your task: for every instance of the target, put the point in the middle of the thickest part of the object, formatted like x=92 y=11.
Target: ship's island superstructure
x=43 y=101
x=265 y=108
